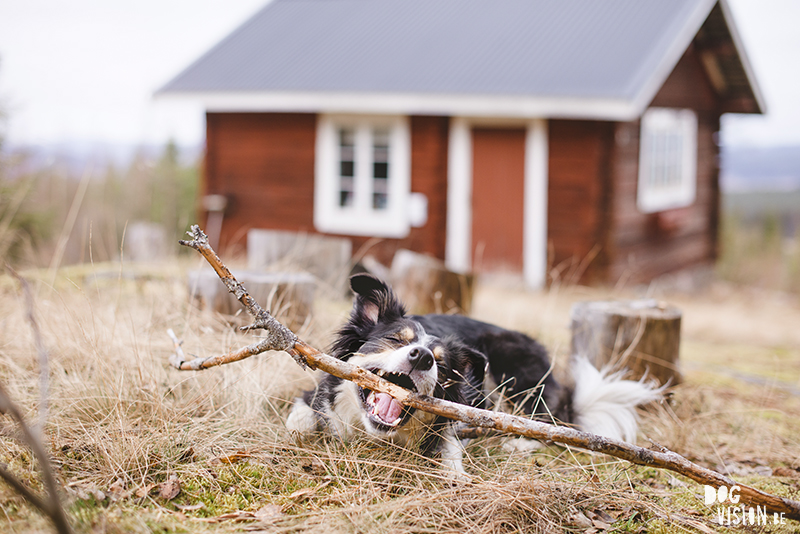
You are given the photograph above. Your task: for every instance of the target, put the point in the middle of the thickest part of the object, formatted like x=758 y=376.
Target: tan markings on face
x=438 y=353
x=407 y=334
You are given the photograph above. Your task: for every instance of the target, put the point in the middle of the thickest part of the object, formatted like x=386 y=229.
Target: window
x=362 y=176
x=667 y=159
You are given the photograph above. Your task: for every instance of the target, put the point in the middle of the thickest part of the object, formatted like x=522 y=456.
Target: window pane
x=666 y=158
x=380 y=169
x=667 y=177
x=380 y=201
x=675 y=159
x=347 y=166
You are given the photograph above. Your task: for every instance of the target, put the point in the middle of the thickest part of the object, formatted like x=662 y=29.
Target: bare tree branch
x=280 y=338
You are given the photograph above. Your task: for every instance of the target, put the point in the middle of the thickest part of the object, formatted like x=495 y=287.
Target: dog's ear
x=365 y=284
x=375 y=300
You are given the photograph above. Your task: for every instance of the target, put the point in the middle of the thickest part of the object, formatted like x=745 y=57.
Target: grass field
x=125 y=431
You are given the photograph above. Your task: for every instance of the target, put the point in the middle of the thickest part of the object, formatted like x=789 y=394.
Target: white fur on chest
x=347 y=417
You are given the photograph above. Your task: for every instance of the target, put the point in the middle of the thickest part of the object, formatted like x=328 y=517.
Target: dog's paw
x=302 y=418
x=456 y=478
x=521 y=445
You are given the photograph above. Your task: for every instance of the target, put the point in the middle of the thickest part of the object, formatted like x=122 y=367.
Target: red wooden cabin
x=497 y=135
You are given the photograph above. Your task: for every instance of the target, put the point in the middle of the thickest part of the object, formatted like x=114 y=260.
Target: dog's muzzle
x=384 y=412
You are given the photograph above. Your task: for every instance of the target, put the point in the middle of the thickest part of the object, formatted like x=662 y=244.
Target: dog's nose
x=421 y=358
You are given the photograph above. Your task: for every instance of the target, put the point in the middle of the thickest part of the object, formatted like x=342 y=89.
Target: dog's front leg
x=452 y=452
x=302 y=419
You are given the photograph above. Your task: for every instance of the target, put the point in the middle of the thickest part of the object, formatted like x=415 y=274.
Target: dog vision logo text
x=730 y=512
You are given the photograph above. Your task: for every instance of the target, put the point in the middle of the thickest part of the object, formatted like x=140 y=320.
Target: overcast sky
x=85 y=70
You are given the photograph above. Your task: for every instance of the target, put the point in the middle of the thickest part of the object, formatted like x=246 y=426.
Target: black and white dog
x=449 y=357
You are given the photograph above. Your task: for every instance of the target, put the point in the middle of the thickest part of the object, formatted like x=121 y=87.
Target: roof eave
x=463 y=105
x=740 y=50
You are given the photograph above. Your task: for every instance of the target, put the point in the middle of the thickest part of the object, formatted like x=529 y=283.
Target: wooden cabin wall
x=644 y=246
x=264 y=164
x=577 y=199
x=429 y=143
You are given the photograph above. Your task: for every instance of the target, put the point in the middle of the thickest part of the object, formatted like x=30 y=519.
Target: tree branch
x=278 y=336
x=282 y=339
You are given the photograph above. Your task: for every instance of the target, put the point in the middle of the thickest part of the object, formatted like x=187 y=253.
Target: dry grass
x=121 y=421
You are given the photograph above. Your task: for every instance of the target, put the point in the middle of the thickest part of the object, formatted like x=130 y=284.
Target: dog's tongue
x=387 y=408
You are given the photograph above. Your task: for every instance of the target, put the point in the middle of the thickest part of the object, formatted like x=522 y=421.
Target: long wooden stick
x=280 y=338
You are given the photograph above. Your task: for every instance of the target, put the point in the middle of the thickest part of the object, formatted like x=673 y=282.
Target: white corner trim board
x=458 y=242
x=534 y=234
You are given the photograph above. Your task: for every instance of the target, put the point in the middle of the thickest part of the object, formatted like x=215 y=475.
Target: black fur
x=518 y=364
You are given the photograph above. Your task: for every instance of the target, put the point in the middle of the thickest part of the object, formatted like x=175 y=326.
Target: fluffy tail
x=605 y=404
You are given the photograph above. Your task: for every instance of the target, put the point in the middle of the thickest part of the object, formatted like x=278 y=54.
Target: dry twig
x=44 y=367
x=280 y=338
x=51 y=506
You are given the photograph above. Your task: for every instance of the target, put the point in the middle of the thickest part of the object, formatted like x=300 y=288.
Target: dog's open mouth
x=383 y=410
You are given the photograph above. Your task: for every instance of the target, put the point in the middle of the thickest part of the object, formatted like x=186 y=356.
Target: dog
x=455 y=358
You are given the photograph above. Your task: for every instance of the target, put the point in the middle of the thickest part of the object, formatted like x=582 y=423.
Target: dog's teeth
x=371 y=400
x=381 y=372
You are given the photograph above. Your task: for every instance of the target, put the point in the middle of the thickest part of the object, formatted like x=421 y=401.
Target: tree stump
x=287 y=296
x=642 y=336
x=425 y=286
x=325 y=257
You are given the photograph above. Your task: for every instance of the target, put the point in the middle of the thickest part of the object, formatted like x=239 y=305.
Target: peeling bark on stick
x=283 y=339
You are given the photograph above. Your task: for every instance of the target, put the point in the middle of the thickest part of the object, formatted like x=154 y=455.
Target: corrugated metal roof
x=543 y=48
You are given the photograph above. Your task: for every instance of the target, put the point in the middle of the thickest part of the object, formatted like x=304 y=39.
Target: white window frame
x=667 y=159
x=361 y=218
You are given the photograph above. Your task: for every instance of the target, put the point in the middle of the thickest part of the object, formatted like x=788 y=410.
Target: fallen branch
x=280 y=338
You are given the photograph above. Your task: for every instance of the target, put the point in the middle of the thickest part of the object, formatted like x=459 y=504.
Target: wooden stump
x=325 y=257
x=426 y=286
x=287 y=296
x=642 y=336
